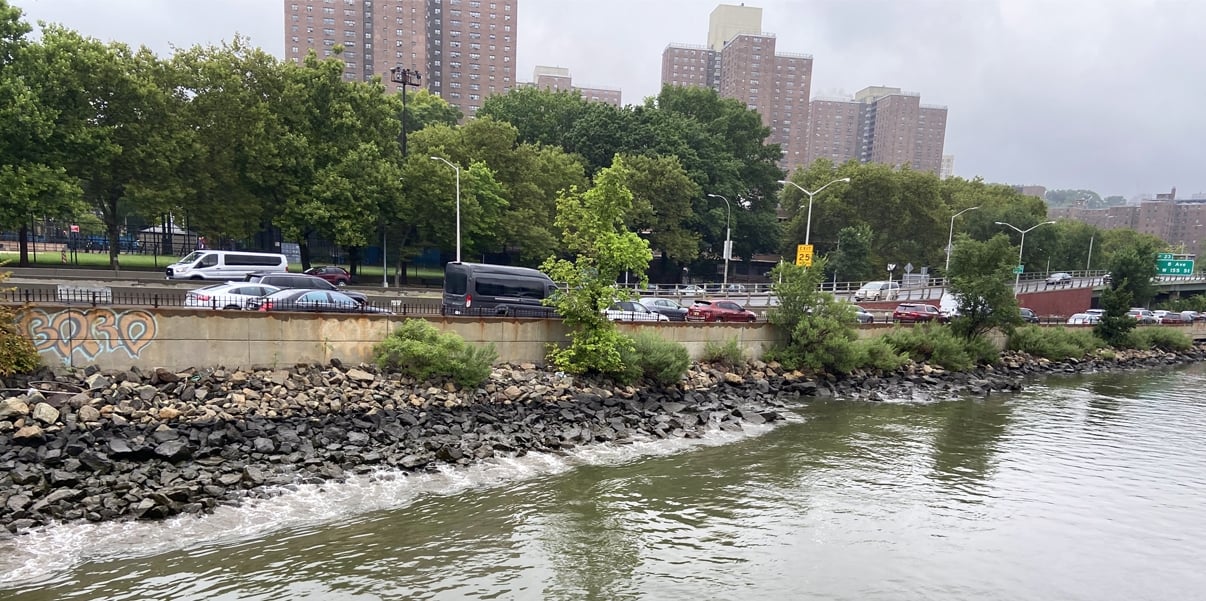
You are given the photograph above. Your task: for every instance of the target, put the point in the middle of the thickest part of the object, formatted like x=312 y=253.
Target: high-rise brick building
x=559 y=79
x=741 y=62
x=879 y=125
x=463 y=49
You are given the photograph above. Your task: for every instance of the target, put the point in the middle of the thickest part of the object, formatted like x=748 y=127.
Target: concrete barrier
x=176 y=338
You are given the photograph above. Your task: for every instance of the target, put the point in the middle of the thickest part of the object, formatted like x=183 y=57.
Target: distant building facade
x=1035 y=191
x=559 y=79
x=742 y=62
x=1181 y=224
x=948 y=166
x=464 y=49
x=879 y=125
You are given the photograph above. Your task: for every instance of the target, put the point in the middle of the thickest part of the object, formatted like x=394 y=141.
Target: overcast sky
x=1099 y=94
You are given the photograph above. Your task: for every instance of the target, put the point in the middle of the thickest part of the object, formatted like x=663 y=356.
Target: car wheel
x=232 y=307
x=341 y=283
x=752 y=319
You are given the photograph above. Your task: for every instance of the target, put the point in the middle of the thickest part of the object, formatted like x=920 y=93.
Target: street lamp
x=458 y=204
x=1018 y=274
x=728 y=242
x=950 y=238
x=808 y=227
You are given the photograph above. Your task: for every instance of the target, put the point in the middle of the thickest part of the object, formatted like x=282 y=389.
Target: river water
x=1080 y=487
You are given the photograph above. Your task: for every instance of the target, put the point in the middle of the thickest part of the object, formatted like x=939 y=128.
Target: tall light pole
x=458 y=204
x=728 y=241
x=1018 y=274
x=808 y=227
x=950 y=238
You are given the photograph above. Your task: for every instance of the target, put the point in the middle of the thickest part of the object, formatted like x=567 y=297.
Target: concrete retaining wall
x=115 y=338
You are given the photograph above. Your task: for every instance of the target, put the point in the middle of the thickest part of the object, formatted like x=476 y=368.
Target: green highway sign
x=1172 y=266
x=1164 y=256
x=1018 y=269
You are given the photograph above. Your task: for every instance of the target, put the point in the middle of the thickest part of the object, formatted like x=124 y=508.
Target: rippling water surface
x=1080 y=488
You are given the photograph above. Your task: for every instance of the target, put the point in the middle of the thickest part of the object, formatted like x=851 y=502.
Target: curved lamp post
x=950 y=238
x=1018 y=276
x=808 y=227
x=458 y=204
x=728 y=241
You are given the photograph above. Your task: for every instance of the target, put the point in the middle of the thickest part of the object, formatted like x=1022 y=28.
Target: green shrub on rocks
x=727 y=353
x=421 y=351
x=939 y=345
x=878 y=354
x=1056 y=344
x=654 y=358
x=17 y=353
x=1164 y=339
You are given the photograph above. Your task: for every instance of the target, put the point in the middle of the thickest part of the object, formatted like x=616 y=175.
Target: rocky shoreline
x=119 y=445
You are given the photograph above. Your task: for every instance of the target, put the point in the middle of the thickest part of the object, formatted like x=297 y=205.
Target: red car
x=720 y=310
x=918 y=312
x=336 y=275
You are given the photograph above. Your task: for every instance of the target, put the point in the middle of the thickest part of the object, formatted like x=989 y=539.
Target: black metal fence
x=106 y=297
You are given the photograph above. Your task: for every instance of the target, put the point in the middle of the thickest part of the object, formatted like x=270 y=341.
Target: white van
x=877 y=291
x=224 y=265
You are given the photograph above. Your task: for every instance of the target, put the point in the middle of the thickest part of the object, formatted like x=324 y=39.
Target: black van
x=496 y=290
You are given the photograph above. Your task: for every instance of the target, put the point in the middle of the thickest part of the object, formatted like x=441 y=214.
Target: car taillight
x=267 y=306
x=468 y=300
x=201 y=297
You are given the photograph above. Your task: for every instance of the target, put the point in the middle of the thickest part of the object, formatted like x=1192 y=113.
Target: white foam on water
x=44 y=553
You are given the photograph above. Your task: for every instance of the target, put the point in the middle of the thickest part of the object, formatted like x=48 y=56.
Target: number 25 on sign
x=804 y=255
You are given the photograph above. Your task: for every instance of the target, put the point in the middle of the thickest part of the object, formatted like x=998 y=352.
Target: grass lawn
x=135 y=262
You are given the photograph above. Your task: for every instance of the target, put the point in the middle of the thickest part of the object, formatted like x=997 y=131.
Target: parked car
x=917 y=312
x=863 y=315
x=1084 y=319
x=1028 y=315
x=1169 y=317
x=877 y=291
x=501 y=290
x=314 y=301
x=735 y=289
x=331 y=273
x=301 y=281
x=1059 y=278
x=1192 y=316
x=665 y=306
x=720 y=310
x=632 y=311
x=691 y=290
x=1107 y=279
x=1142 y=315
x=231 y=295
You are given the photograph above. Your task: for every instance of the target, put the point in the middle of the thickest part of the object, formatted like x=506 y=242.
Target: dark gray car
x=665 y=306
x=301 y=281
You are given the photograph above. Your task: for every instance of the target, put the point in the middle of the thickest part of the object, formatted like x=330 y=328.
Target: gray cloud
x=1100 y=94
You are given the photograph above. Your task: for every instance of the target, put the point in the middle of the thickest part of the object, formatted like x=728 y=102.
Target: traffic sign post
x=804 y=255
x=1018 y=269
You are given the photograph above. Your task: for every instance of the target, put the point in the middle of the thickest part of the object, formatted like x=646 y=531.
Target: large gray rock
x=46 y=414
x=13 y=407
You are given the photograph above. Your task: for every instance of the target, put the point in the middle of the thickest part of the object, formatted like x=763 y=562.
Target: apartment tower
x=464 y=50
x=741 y=62
x=558 y=79
x=879 y=125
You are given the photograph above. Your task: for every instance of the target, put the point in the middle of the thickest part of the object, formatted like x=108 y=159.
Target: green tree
x=981 y=278
x=33 y=133
x=1132 y=270
x=339 y=168
x=594 y=233
x=821 y=331
x=233 y=160
x=851 y=260
x=129 y=152
x=662 y=205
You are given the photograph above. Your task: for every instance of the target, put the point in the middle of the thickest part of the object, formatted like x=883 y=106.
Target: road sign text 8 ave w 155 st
x=1174 y=266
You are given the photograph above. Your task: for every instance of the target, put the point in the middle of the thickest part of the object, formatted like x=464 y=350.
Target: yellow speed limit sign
x=804 y=255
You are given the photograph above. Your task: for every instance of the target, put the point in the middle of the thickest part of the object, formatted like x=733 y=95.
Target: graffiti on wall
x=89 y=333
